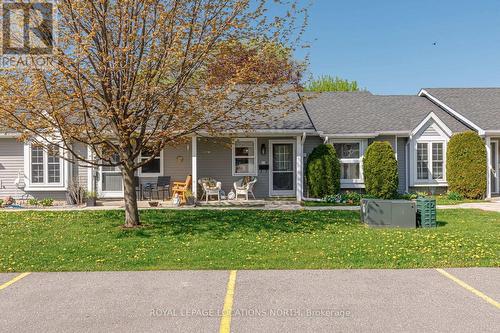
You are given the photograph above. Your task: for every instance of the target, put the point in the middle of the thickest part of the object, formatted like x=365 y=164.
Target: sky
x=388 y=45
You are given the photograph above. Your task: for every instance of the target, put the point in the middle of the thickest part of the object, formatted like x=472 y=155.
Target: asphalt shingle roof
x=363 y=113
x=479 y=105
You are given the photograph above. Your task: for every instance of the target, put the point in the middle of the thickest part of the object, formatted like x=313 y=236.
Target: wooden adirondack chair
x=182 y=187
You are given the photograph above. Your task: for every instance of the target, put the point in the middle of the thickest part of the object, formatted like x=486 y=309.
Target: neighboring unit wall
x=12 y=167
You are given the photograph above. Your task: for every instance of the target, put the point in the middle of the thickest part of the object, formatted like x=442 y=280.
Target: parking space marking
x=225 y=323
x=469 y=288
x=14 y=280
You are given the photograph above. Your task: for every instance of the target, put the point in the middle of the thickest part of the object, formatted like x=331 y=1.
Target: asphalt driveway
x=263 y=301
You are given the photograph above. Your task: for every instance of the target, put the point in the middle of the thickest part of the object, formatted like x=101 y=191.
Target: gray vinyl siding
x=402 y=164
x=79 y=170
x=177 y=162
x=11 y=166
x=215 y=160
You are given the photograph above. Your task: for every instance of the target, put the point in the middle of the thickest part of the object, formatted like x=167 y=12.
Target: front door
x=495 y=170
x=282 y=173
x=110 y=182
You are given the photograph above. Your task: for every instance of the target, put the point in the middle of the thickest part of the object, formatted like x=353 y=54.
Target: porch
x=276 y=162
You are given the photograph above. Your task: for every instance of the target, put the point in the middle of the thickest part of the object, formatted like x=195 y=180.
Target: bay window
x=244 y=157
x=350 y=155
x=430 y=161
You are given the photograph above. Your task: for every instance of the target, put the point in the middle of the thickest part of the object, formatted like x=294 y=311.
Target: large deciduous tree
x=131 y=75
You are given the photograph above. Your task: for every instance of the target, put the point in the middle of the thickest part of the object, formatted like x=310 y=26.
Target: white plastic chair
x=246 y=189
x=211 y=190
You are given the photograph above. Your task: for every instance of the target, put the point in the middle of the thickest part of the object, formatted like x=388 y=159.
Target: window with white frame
x=350 y=155
x=430 y=161
x=45 y=165
x=245 y=157
x=153 y=167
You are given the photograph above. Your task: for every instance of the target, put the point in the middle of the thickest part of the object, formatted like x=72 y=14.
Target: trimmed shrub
x=380 y=168
x=323 y=172
x=466 y=165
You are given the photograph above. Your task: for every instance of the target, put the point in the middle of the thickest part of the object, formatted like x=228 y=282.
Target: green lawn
x=443 y=200
x=203 y=239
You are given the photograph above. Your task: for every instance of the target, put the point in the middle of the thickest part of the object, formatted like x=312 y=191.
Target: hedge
x=323 y=172
x=466 y=165
x=380 y=168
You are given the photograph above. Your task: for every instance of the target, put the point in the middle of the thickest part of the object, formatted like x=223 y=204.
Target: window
x=349 y=154
x=45 y=166
x=430 y=161
x=53 y=166
x=245 y=157
x=422 y=161
x=437 y=161
x=37 y=165
x=153 y=167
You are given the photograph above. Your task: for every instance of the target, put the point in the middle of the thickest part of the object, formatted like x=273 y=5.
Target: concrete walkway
x=421 y=300
x=493 y=206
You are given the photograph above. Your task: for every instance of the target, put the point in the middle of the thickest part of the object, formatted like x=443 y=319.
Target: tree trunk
x=130 y=196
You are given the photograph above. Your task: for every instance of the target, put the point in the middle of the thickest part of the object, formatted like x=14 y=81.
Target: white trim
x=443 y=137
x=147 y=174
x=488 y=167
x=429 y=181
x=436 y=119
x=194 y=166
x=456 y=114
x=363 y=144
x=407 y=166
x=260 y=133
x=300 y=166
x=62 y=185
x=496 y=165
x=370 y=135
x=108 y=194
x=255 y=157
x=273 y=193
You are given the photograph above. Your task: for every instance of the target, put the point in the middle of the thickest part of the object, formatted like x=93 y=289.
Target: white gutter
x=454 y=113
x=368 y=135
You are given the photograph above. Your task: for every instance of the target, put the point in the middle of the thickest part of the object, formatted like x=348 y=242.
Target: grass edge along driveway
x=240 y=239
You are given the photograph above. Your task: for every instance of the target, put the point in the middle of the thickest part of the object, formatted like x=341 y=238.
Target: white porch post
x=194 y=165
x=488 y=169
x=300 y=167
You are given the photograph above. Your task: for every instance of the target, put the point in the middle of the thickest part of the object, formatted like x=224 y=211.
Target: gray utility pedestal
x=389 y=213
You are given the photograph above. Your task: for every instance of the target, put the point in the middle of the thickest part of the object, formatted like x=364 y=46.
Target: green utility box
x=426 y=212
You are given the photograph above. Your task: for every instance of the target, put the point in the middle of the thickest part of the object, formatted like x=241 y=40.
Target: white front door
x=282 y=171
x=495 y=170
x=110 y=183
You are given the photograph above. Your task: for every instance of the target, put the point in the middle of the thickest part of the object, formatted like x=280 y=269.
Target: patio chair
x=181 y=188
x=203 y=180
x=211 y=187
x=162 y=186
x=245 y=186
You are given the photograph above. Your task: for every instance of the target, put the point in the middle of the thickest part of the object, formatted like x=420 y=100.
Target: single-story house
x=276 y=152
